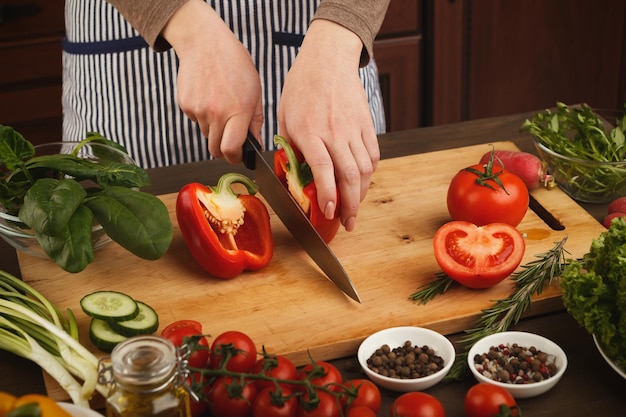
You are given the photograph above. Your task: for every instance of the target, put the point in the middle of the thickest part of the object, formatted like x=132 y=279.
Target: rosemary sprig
x=430 y=290
x=530 y=280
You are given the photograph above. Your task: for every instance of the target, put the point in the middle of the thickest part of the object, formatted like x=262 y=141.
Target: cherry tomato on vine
x=328 y=406
x=270 y=403
x=416 y=404
x=322 y=373
x=478 y=256
x=229 y=397
x=181 y=332
x=487 y=400
x=239 y=346
x=368 y=395
x=275 y=366
x=482 y=194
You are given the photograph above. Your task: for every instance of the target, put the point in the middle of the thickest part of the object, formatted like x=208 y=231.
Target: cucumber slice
x=146 y=322
x=109 y=306
x=102 y=336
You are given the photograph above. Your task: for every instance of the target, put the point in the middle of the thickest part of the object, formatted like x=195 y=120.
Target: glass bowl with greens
x=583 y=149
x=64 y=200
x=21 y=236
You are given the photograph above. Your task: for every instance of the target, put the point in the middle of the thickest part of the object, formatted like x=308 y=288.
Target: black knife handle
x=250 y=147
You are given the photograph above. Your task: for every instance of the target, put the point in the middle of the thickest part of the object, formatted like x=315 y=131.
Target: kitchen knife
x=294 y=219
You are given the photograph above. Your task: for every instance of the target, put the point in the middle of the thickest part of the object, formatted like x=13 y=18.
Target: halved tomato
x=478 y=256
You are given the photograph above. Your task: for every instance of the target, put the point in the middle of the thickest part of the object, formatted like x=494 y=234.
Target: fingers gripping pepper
x=226 y=232
x=294 y=172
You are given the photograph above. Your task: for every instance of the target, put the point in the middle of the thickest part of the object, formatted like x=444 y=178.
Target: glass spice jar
x=146 y=377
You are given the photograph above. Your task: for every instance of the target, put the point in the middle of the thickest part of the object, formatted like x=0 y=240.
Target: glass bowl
x=585 y=180
x=20 y=236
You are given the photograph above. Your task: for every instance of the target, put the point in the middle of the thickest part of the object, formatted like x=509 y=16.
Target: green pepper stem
x=226 y=180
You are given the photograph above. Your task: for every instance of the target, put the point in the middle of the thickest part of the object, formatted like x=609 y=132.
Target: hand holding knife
x=294 y=219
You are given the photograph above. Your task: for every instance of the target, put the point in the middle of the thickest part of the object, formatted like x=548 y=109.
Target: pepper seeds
x=405 y=362
x=515 y=364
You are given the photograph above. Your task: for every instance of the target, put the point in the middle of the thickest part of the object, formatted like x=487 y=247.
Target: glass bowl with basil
x=584 y=150
x=65 y=200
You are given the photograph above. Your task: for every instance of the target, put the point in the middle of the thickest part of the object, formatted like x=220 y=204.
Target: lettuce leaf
x=594 y=290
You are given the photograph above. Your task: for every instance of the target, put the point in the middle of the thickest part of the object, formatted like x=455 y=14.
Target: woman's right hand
x=218 y=85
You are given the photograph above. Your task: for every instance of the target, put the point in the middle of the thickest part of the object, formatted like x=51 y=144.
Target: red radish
x=607 y=220
x=617 y=206
x=523 y=164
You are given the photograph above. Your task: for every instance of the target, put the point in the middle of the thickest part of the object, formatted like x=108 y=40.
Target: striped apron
x=114 y=84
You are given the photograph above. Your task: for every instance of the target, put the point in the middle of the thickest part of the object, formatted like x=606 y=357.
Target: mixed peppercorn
x=515 y=364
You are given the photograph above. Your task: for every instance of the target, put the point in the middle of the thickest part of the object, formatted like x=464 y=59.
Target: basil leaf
x=138 y=221
x=50 y=203
x=14 y=148
x=71 y=248
x=125 y=175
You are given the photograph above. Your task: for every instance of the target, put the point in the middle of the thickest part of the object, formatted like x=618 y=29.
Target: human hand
x=218 y=85
x=324 y=111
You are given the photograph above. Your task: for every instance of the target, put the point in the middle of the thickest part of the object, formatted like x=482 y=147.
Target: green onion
x=33 y=328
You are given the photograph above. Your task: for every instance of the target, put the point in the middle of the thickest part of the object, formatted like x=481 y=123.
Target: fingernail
x=329 y=210
x=350 y=224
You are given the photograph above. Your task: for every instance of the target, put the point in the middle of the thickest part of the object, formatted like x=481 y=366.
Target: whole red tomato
x=487 y=400
x=322 y=374
x=275 y=366
x=481 y=196
x=184 y=332
x=229 y=397
x=478 y=256
x=270 y=403
x=236 y=348
x=417 y=404
x=368 y=395
x=328 y=406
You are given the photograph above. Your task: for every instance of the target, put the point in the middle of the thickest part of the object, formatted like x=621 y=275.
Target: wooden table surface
x=589 y=386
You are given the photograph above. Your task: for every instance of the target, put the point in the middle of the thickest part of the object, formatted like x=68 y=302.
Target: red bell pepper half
x=226 y=232
x=294 y=172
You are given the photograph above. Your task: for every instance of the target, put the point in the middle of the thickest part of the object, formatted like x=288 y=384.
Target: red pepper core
x=294 y=172
x=225 y=232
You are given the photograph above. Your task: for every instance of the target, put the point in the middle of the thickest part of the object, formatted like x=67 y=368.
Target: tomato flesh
x=478 y=256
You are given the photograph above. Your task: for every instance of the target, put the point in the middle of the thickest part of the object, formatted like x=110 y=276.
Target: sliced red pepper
x=226 y=232
x=294 y=172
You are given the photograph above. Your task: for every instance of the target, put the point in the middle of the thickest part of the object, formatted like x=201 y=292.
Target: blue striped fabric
x=114 y=84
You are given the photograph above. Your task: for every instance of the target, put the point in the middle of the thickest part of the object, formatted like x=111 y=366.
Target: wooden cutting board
x=290 y=307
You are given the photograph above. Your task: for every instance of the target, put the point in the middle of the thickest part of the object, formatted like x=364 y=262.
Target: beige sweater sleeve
x=363 y=17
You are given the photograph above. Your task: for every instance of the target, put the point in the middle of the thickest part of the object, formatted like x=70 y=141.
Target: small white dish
x=77 y=411
x=527 y=340
x=395 y=337
x=608 y=360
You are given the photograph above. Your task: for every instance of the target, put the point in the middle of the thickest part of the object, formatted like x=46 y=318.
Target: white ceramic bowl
x=524 y=339
x=396 y=337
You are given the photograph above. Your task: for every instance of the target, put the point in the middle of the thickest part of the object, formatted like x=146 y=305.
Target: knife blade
x=294 y=219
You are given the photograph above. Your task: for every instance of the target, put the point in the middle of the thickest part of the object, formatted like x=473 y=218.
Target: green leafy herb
x=59 y=195
x=504 y=313
x=581 y=133
x=594 y=291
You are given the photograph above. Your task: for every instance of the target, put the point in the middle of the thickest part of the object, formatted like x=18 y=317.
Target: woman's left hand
x=325 y=113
